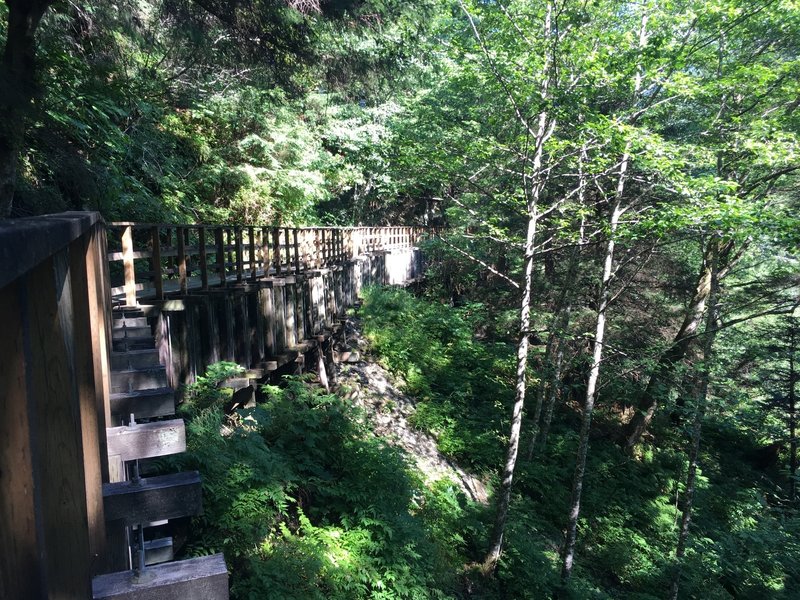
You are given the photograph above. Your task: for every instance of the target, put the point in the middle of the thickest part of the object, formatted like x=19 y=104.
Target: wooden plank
x=239 y=254
x=87 y=321
x=147 y=440
x=19 y=553
x=25 y=243
x=158 y=551
x=153 y=498
x=158 y=282
x=58 y=453
x=202 y=578
x=201 y=235
x=145 y=404
x=181 y=231
x=127 y=264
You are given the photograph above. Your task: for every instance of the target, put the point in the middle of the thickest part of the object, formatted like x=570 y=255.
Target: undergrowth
x=740 y=547
x=306 y=503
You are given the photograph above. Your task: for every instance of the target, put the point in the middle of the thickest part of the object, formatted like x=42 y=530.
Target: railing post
x=265 y=251
x=295 y=238
x=251 y=240
x=201 y=241
x=218 y=234
x=288 y=246
x=276 y=249
x=239 y=252
x=170 y=259
x=182 y=260
x=155 y=262
x=127 y=263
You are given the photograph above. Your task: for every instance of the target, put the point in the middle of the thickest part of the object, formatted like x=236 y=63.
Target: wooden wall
x=53 y=404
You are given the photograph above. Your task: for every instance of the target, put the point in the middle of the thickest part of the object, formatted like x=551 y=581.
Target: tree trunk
x=700 y=411
x=496 y=542
x=545 y=128
x=660 y=381
x=17 y=88
x=792 y=411
x=658 y=384
x=591 y=386
x=550 y=383
x=554 y=390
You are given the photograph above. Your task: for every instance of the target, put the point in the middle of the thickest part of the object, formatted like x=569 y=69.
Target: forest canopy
x=607 y=332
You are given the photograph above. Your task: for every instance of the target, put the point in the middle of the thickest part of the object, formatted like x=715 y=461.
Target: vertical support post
x=324 y=249
x=276 y=249
x=218 y=234
x=251 y=243
x=201 y=241
x=288 y=246
x=296 y=251
x=127 y=263
x=170 y=258
x=239 y=253
x=182 y=260
x=265 y=251
x=155 y=261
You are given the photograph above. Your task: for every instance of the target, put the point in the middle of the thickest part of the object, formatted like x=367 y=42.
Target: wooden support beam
x=158 y=551
x=127 y=263
x=220 y=242
x=239 y=254
x=201 y=240
x=155 y=261
x=202 y=578
x=145 y=404
x=181 y=231
x=153 y=498
x=251 y=252
x=147 y=440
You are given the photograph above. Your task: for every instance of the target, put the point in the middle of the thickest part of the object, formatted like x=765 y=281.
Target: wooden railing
x=151 y=261
x=54 y=399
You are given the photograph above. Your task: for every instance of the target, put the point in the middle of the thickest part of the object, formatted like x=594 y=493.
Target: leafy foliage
x=306 y=503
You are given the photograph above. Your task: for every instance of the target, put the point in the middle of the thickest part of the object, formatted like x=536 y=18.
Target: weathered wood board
x=153 y=498
x=203 y=578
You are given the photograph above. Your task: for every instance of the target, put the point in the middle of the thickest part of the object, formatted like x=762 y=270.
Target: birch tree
x=540 y=133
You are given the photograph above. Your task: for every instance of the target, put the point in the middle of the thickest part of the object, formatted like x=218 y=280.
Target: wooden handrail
x=147 y=259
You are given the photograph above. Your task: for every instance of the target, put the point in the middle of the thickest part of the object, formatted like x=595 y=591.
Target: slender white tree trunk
x=504 y=499
x=591 y=385
x=604 y=296
x=699 y=414
x=545 y=128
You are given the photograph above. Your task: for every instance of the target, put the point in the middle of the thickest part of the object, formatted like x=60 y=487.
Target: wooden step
x=129 y=380
x=123 y=322
x=158 y=551
x=151 y=498
x=134 y=359
x=147 y=440
x=202 y=578
x=132 y=332
x=144 y=404
x=127 y=311
x=128 y=344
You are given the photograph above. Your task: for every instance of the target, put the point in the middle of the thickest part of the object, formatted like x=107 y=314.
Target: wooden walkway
x=151 y=262
x=104 y=323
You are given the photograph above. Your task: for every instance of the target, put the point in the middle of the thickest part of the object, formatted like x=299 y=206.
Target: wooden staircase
x=138 y=380
x=137 y=508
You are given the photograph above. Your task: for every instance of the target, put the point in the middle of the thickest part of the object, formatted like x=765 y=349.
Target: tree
x=17 y=89
x=704 y=377
x=733 y=90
